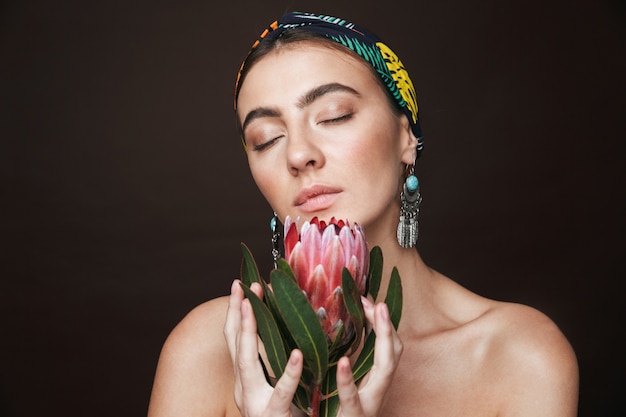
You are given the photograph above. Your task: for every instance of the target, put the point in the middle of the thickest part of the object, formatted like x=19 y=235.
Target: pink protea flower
x=317 y=256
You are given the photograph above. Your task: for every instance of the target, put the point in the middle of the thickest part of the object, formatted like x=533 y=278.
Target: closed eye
x=265 y=145
x=347 y=116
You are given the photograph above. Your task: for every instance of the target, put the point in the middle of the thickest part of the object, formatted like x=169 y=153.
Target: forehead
x=292 y=69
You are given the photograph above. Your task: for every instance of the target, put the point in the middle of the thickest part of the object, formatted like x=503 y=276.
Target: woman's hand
x=367 y=399
x=253 y=395
x=256 y=398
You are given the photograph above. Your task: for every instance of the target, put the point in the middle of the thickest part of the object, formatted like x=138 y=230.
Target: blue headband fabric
x=366 y=45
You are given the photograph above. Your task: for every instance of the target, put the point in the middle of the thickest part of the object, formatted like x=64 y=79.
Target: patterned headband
x=366 y=45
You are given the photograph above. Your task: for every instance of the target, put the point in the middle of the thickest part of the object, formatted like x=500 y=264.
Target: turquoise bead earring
x=275 y=239
x=410 y=200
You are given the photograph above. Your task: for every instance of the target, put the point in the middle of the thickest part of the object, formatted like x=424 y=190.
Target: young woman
x=328 y=117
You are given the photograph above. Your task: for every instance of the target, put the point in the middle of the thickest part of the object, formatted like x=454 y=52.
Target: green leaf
x=329 y=385
x=375 y=273
x=332 y=349
x=330 y=406
x=351 y=297
x=249 y=269
x=302 y=322
x=301 y=398
x=394 y=297
x=336 y=349
x=268 y=332
x=352 y=301
x=307 y=378
x=365 y=361
x=284 y=266
x=270 y=301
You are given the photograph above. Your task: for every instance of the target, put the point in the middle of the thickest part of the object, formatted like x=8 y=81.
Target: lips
x=316 y=198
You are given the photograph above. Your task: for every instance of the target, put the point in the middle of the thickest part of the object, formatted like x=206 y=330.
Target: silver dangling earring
x=275 y=239
x=410 y=200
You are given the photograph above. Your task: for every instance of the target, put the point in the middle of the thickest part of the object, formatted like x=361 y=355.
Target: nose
x=303 y=153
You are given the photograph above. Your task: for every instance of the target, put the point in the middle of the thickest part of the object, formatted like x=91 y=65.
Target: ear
x=408 y=142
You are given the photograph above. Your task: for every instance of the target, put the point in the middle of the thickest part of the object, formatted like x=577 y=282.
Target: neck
x=414 y=273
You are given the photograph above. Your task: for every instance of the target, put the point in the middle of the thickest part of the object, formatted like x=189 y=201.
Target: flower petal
x=287 y=223
x=327 y=235
x=300 y=265
x=347 y=241
x=311 y=240
x=335 y=312
x=291 y=237
x=358 y=274
x=334 y=260
x=316 y=288
x=362 y=253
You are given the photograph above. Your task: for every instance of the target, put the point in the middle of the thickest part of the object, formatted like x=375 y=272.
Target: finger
x=233 y=319
x=349 y=399
x=387 y=342
x=232 y=327
x=251 y=387
x=368 y=309
x=385 y=326
x=282 y=397
x=257 y=289
x=387 y=352
x=250 y=370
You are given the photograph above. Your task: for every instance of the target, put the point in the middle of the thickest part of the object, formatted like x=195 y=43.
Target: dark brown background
x=125 y=191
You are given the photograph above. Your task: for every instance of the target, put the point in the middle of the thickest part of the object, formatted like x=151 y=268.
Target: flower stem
x=316 y=399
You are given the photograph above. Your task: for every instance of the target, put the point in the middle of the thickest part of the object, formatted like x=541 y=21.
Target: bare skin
x=467 y=356
x=455 y=353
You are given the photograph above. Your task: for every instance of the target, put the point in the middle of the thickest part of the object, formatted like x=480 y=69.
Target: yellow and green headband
x=366 y=45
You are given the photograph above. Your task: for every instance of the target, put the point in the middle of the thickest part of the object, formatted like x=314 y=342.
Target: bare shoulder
x=194 y=375
x=523 y=329
x=533 y=360
x=199 y=328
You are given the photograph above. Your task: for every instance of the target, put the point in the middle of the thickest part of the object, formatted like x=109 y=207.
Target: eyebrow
x=317 y=92
x=307 y=99
x=258 y=113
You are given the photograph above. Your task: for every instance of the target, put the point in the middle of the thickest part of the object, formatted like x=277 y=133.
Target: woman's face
x=321 y=137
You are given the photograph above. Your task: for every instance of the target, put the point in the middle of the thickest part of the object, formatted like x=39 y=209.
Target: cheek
x=378 y=161
x=376 y=154
x=266 y=179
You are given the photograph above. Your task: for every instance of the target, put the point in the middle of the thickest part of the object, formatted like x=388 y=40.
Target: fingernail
x=366 y=302
x=344 y=365
x=293 y=359
x=385 y=312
